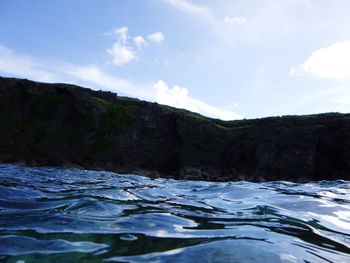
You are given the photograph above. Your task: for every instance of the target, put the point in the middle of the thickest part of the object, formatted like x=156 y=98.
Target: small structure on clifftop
x=106 y=95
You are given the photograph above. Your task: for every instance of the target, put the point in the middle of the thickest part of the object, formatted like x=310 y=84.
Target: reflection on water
x=67 y=215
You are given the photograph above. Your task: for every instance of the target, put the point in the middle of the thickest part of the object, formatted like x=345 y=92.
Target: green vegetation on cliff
x=114 y=119
x=60 y=124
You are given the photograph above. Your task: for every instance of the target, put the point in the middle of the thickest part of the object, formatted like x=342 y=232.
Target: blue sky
x=226 y=58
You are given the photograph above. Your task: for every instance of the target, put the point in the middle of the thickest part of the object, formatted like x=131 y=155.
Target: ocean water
x=68 y=215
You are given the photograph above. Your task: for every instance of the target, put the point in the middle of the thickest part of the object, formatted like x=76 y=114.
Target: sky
x=227 y=59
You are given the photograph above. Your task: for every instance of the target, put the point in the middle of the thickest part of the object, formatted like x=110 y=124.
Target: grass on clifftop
x=246 y=123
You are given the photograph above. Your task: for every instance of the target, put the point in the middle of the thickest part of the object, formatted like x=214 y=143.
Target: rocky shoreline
x=70 y=126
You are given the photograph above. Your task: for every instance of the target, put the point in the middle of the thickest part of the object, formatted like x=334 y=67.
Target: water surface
x=68 y=215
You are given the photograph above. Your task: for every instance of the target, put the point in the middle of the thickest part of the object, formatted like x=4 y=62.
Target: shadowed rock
x=66 y=125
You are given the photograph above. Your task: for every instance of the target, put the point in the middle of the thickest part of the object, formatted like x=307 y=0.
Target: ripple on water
x=69 y=215
x=20 y=245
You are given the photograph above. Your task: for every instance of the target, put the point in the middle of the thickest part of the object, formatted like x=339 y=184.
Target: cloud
x=206 y=14
x=267 y=21
x=223 y=28
x=232 y=21
x=122 y=34
x=332 y=98
x=94 y=77
x=179 y=97
x=200 y=11
x=88 y=75
x=330 y=62
x=121 y=53
x=23 y=65
x=157 y=37
x=139 y=41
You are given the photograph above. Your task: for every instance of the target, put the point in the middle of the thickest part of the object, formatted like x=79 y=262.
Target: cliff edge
x=66 y=125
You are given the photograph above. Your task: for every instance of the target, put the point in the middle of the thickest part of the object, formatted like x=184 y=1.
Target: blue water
x=67 y=215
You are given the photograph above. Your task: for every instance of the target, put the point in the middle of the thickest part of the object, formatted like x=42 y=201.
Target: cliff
x=65 y=125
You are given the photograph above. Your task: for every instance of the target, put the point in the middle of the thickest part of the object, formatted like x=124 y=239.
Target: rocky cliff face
x=65 y=125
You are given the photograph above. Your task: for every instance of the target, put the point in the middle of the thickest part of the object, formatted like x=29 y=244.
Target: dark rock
x=69 y=126
x=106 y=95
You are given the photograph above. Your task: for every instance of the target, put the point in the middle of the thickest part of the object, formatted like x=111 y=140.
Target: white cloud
x=232 y=21
x=88 y=75
x=157 y=37
x=139 y=41
x=267 y=21
x=122 y=34
x=330 y=62
x=225 y=29
x=179 y=97
x=200 y=11
x=332 y=98
x=23 y=66
x=121 y=54
x=92 y=76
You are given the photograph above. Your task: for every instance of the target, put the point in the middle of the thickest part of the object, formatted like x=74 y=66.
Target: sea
x=69 y=215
